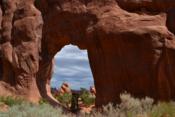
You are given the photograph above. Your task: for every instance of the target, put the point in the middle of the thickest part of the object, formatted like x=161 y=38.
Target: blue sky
x=72 y=66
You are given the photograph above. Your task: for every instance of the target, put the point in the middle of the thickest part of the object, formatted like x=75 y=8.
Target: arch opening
x=71 y=65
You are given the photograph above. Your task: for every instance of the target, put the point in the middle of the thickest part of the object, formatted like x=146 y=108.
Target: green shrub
x=10 y=101
x=43 y=101
x=86 y=97
x=65 y=99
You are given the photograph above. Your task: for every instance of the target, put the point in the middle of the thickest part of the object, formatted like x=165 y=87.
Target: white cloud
x=72 y=66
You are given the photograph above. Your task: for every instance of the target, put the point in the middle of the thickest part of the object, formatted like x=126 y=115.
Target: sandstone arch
x=127 y=51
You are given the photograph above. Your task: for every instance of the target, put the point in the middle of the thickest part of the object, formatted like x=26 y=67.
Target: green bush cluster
x=86 y=97
x=10 y=101
x=43 y=101
x=65 y=99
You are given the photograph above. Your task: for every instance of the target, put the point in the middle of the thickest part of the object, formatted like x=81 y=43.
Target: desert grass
x=129 y=107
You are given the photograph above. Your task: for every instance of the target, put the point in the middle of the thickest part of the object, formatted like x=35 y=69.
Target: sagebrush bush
x=129 y=107
x=30 y=110
x=133 y=106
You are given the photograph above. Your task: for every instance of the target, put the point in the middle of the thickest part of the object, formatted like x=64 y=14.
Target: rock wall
x=150 y=5
x=20 y=39
x=130 y=48
x=1 y=70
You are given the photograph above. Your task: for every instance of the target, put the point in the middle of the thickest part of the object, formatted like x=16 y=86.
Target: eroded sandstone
x=21 y=37
x=130 y=49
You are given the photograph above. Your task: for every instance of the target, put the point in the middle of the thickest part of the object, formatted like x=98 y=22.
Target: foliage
x=129 y=107
x=10 y=101
x=64 y=99
x=30 y=110
x=86 y=97
x=133 y=107
x=43 y=101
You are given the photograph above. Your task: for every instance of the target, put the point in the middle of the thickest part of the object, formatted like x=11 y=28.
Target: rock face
x=20 y=44
x=150 y=5
x=130 y=49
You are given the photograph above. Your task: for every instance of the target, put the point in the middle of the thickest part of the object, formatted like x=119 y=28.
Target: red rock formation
x=20 y=43
x=151 y=5
x=128 y=51
x=65 y=88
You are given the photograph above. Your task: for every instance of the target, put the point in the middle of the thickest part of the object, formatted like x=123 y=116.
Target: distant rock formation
x=131 y=47
x=65 y=88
